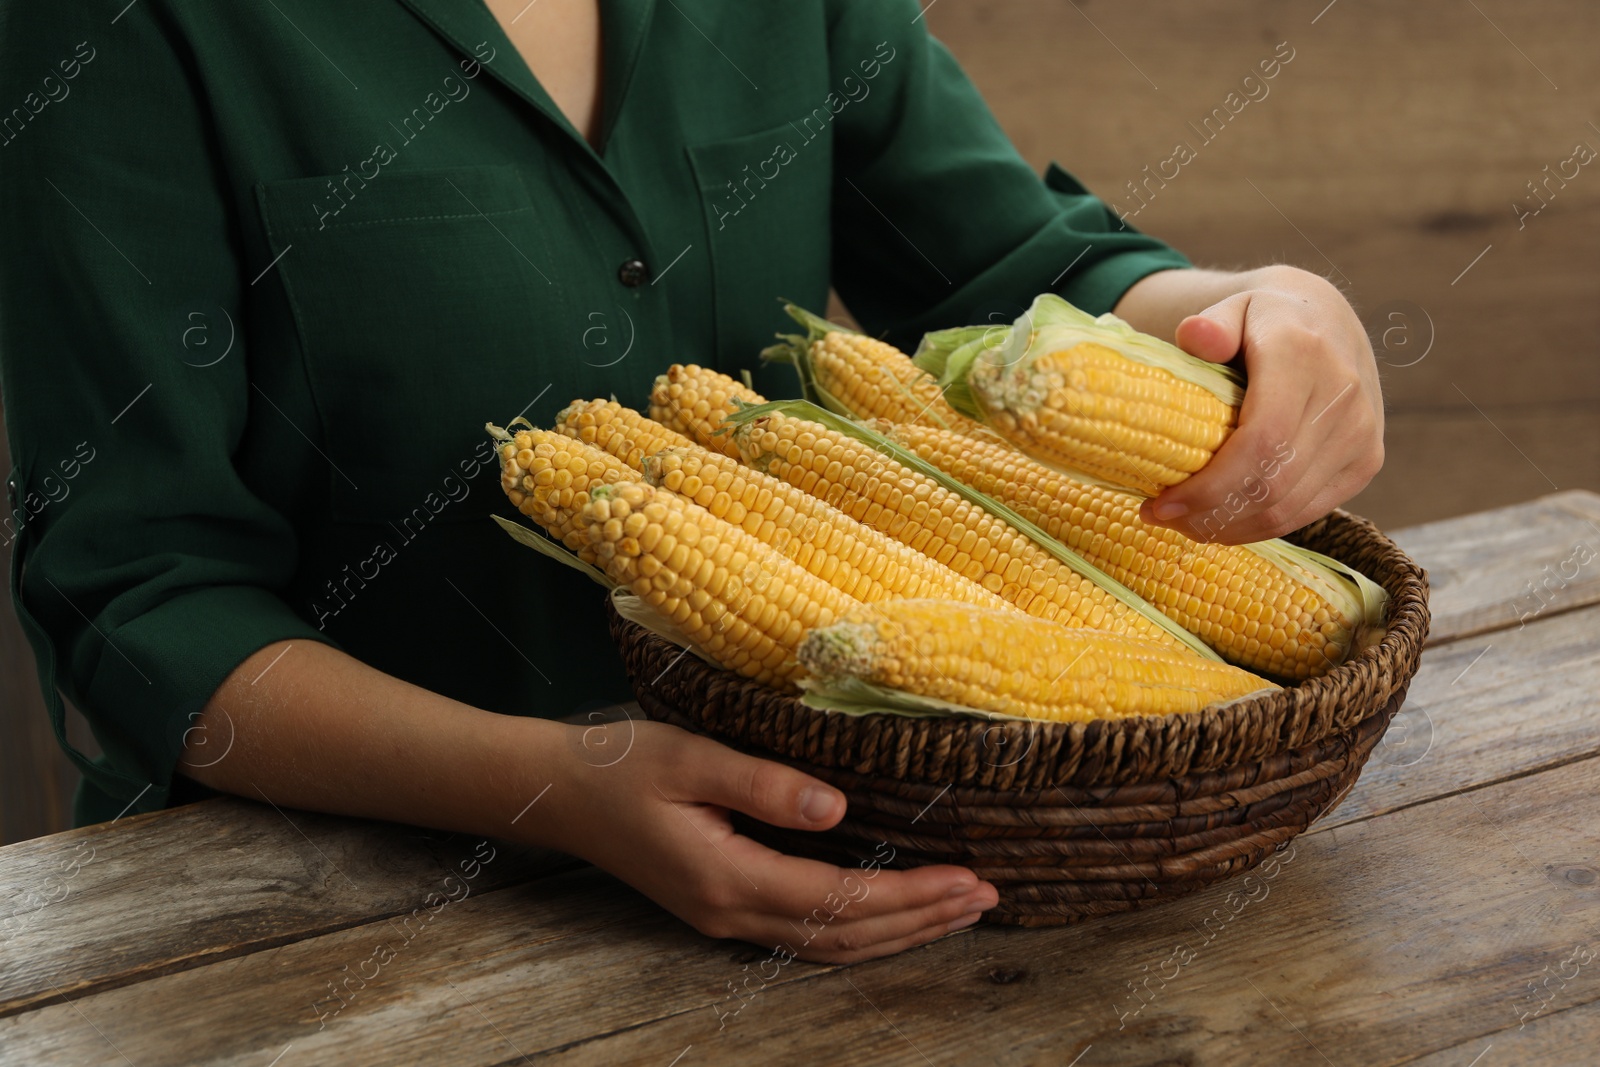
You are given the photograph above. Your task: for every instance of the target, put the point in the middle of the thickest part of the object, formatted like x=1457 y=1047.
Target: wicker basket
x=1070 y=820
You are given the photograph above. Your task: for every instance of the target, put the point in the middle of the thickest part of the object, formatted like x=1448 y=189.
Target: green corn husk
x=852 y=696
x=795 y=350
x=632 y=606
x=531 y=538
x=959 y=347
x=628 y=603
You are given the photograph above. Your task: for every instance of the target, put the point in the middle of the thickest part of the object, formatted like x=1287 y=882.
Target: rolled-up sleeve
x=144 y=568
x=938 y=220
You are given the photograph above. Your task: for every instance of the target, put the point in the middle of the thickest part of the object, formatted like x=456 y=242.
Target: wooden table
x=1448 y=912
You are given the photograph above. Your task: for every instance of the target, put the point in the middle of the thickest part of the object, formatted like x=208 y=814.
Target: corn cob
x=863 y=377
x=875 y=380
x=1091 y=396
x=548 y=477
x=1241 y=604
x=915 y=510
x=830 y=544
x=1014 y=664
x=621 y=431
x=738 y=600
x=856 y=558
x=1087 y=408
x=694 y=401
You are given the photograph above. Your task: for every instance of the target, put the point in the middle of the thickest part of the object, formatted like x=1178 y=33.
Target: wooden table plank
x=1377 y=943
x=171 y=890
x=1550 y=1038
x=1495 y=569
x=1485 y=709
x=574 y=945
x=1348 y=941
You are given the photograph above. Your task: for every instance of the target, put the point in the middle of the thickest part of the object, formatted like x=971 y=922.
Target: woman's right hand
x=656 y=816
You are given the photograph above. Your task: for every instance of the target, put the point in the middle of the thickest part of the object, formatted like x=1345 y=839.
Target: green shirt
x=270 y=267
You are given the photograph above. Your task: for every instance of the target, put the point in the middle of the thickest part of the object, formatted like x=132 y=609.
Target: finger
x=742 y=889
x=814 y=954
x=1260 y=459
x=773 y=792
x=1334 y=493
x=1240 y=521
x=795 y=886
x=1319 y=492
x=785 y=936
x=846 y=937
x=1217 y=333
x=1318 y=461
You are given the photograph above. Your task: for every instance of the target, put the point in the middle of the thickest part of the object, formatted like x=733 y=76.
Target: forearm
x=1156 y=303
x=322 y=731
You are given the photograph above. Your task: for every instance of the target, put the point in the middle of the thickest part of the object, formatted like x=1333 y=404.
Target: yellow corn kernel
x=621 y=431
x=736 y=599
x=694 y=400
x=548 y=477
x=915 y=510
x=1244 y=606
x=830 y=544
x=1089 y=408
x=875 y=380
x=1015 y=664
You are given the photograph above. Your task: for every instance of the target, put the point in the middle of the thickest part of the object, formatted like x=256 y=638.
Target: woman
x=274 y=265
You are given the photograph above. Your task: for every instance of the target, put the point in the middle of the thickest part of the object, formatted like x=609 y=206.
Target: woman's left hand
x=1310 y=433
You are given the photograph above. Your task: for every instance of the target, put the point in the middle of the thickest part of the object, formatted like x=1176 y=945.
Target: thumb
x=773 y=792
x=1217 y=333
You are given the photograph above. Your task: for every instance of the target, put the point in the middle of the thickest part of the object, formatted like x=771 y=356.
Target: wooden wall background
x=1388 y=153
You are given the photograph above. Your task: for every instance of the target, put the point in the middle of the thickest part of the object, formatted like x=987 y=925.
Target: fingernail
x=816 y=804
x=960 y=889
x=1170 y=510
x=965 y=920
x=981 y=899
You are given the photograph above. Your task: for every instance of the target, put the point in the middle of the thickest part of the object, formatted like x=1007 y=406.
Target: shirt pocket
x=419 y=298
x=766 y=198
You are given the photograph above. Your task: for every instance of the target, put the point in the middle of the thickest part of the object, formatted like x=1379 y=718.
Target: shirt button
x=11 y=495
x=633 y=273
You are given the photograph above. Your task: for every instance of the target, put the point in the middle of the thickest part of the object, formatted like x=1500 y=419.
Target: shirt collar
x=625 y=25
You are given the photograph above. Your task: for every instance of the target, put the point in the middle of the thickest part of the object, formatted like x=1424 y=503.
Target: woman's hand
x=1310 y=433
x=657 y=818
x=646 y=801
